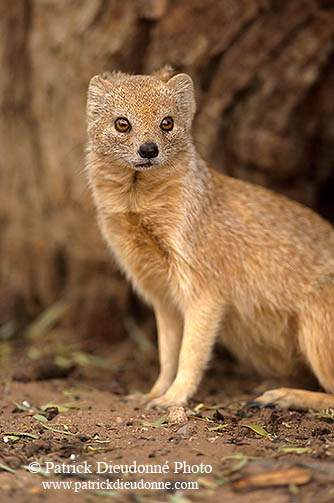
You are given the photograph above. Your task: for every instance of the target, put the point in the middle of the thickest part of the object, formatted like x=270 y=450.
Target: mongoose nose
x=148 y=150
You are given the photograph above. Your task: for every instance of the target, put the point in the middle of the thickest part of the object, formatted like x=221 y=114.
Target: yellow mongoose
x=213 y=255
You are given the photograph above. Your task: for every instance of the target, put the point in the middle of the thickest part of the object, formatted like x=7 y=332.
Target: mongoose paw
x=259 y=405
x=283 y=398
x=164 y=401
x=141 y=398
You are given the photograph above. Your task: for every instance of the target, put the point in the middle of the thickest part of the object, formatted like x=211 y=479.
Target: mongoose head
x=140 y=122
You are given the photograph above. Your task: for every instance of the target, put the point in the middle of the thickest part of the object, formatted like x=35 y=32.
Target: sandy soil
x=223 y=450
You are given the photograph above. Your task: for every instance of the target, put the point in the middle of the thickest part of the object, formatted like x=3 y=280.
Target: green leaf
x=159 y=422
x=207 y=407
x=326 y=415
x=64 y=407
x=258 y=429
x=242 y=461
x=295 y=450
x=40 y=471
x=7 y=468
x=61 y=408
x=206 y=483
x=40 y=417
x=294 y=490
x=74 y=405
x=205 y=419
x=46 y=320
x=86 y=359
x=198 y=408
x=218 y=428
x=23 y=434
x=63 y=432
x=22 y=407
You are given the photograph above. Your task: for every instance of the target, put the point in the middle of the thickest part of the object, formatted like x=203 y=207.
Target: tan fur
x=214 y=256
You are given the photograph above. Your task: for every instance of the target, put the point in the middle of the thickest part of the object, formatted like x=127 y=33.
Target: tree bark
x=264 y=81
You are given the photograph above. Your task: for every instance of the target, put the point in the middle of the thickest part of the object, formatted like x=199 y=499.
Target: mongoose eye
x=167 y=124
x=122 y=125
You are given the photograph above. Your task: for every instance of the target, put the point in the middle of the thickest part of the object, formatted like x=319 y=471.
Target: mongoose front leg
x=170 y=328
x=201 y=325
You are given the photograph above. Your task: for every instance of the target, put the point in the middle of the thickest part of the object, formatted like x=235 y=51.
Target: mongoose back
x=214 y=256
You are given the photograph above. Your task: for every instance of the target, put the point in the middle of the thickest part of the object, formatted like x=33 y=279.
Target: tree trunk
x=264 y=81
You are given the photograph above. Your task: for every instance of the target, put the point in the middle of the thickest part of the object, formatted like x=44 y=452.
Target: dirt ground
x=63 y=410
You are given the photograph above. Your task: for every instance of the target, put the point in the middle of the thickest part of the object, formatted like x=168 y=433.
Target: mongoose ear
x=96 y=92
x=183 y=87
